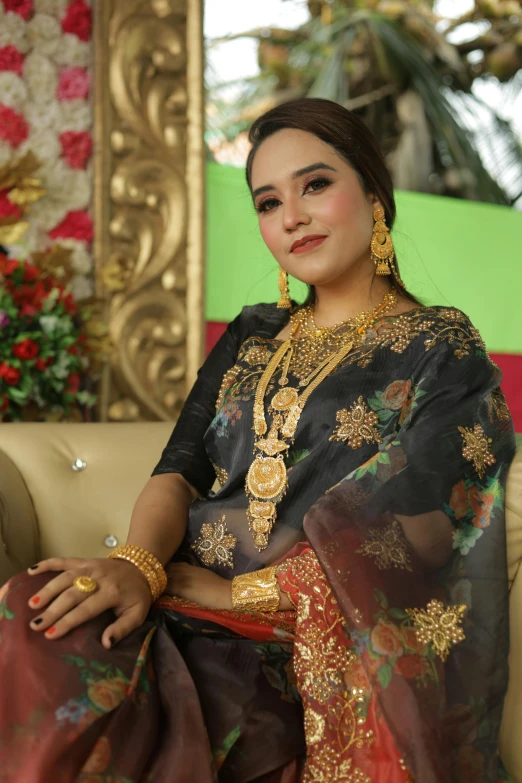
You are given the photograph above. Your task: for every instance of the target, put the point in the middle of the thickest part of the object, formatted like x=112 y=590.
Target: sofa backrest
x=83 y=480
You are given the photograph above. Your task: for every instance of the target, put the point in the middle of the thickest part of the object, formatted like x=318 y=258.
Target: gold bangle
x=147 y=563
x=256 y=591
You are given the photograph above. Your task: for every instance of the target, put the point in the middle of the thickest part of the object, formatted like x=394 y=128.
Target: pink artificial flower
x=11 y=59
x=23 y=8
x=75 y=225
x=74 y=83
x=76 y=148
x=78 y=19
x=13 y=126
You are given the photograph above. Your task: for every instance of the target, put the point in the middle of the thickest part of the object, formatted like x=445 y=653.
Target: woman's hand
x=199 y=585
x=121 y=587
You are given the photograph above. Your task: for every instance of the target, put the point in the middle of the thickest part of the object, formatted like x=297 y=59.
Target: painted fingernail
x=31 y=568
x=51 y=630
x=35 y=600
x=37 y=621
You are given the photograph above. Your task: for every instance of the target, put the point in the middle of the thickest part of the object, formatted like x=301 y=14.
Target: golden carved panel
x=149 y=201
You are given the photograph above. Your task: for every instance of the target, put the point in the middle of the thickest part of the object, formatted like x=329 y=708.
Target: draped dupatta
x=412 y=544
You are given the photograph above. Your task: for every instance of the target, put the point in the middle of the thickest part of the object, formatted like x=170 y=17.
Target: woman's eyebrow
x=295 y=175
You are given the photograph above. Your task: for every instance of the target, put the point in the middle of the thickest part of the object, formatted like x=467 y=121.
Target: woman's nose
x=294 y=215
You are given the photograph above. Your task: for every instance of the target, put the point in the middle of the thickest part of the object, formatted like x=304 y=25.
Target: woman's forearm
x=160 y=515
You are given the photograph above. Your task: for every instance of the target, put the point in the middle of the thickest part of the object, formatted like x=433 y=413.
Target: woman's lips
x=309 y=245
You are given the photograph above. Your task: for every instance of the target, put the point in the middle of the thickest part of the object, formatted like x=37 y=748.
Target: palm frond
x=452 y=137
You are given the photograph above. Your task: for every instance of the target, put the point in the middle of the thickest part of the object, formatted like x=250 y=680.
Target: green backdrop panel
x=451 y=252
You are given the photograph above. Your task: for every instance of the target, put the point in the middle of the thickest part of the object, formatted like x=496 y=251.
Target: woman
x=337 y=609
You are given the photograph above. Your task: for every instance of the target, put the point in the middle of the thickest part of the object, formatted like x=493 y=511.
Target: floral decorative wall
x=45 y=110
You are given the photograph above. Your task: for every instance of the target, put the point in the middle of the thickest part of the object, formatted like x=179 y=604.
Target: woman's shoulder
x=435 y=334
x=264 y=319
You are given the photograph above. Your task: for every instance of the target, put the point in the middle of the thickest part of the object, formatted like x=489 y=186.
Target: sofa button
x=111 y=542
x=78 y=465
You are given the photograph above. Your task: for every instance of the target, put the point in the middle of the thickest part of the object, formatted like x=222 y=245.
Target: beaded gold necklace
x=266 y=481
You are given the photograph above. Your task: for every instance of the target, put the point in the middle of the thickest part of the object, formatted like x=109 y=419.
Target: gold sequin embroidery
x=499 y=404
x=321 y=665
x=326 y=768
x=221 y=474
x=439 y=625
x=357 y=425
x=258 y=354
x=314 y=727
x=397 y=332
x=215 y=544
x=228 y=379
x=476 y=448
x=387 y=547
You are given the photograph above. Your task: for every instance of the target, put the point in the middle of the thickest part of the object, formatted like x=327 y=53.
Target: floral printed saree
x=391 y=667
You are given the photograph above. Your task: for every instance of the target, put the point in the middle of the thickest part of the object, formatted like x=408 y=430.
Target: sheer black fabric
x=396 y=478
x=185 y=451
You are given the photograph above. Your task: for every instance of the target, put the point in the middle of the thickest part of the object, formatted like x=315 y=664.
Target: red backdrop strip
x=509 y=363
x=511 y=366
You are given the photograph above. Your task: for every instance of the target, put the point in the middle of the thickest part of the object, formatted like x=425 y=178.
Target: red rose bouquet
x=43 y=351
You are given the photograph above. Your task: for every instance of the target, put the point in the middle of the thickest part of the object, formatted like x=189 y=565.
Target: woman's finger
x=66 y=600
x=56 y=564
x=52 y=589
x=130 y=619
x=78 y=613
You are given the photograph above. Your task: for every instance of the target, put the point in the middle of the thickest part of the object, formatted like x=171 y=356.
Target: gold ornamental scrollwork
x=149 y=196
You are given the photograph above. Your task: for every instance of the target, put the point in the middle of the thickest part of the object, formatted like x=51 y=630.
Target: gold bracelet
x=147 y=563
x=256 y=591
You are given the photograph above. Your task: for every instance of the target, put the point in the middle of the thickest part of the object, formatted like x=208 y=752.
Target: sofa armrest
x=511 y=729
x=19 y=539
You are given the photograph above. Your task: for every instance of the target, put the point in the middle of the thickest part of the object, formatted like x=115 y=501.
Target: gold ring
x=85 y=584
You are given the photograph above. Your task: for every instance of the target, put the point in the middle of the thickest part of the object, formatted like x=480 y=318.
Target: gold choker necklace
x=266 y=481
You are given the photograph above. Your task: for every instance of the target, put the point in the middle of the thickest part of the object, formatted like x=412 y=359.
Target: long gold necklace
x=266 y=481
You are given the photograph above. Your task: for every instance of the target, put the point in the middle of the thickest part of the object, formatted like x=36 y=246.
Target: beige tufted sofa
x=69 y=489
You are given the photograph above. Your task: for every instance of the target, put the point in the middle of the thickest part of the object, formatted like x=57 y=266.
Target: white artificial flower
x=49 y=323
x=76 y=115
x=80 y=258
x=44 y=33
x=52 y=7
x=35 y=238
x=37 y=396
x=13 y=91
x=40 y=116
x=45 y=146
x=47 y=214
x=71 y=187
x=20 y=252
x=82 y=287
x=61 y=368
x=73 y=53
x=41 y=78
x=13 y=30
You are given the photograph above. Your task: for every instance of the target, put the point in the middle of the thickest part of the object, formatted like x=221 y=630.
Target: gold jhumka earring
x=382 y=245
x=284 y=292
x=383 y=252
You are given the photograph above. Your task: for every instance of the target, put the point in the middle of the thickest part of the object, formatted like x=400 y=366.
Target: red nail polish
x=50 y=631
x=35 y=600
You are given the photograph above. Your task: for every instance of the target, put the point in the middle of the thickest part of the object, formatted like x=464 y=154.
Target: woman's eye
x=321 y=181
x=263 y=206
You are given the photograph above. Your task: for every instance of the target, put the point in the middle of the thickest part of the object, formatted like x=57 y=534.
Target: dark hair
x=346 y=133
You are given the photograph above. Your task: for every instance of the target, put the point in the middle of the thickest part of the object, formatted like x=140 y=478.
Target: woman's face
x=328 y=201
